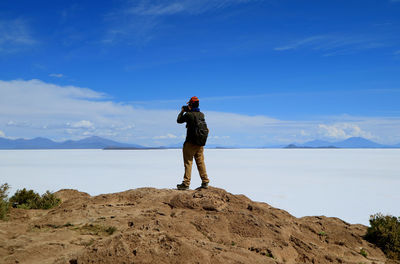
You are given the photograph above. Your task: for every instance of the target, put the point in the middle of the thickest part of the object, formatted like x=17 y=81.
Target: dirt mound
x=149 y=225
x=68 y=194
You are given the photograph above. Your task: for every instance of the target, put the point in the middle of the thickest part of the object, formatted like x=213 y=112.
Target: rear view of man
x=196 y=136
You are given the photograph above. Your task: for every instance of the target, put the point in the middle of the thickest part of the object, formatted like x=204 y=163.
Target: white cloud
x=87 y=133
x=397 y=52
x=35 y=108
x=56 y=75
x=69 y=110
x=15 y=35
x=334 y=44
x=83 y=124
x=13 y=123
x=138 y=22
x=26 y=107
x=41 y=90
x=343 y=131
x=161 y=8
x=167 y=136
x=221 y=137
x=2 y=134
x=302 y=42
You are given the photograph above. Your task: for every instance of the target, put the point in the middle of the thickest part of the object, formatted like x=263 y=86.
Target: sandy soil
x=150 y=225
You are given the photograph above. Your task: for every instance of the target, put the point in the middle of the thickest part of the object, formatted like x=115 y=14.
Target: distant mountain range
x=95 y=142
x=353 y=142
x=44 y=143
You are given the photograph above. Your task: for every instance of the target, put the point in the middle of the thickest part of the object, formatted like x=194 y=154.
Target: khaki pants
x=189 y=151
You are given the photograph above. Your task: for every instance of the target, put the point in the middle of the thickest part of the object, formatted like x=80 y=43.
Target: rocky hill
x=168 y=226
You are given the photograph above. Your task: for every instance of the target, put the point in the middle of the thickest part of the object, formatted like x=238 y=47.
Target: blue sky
x=266 y=72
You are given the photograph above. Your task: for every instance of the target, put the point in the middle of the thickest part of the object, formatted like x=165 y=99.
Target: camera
x=186 y=108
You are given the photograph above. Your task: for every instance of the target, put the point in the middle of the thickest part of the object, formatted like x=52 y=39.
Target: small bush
x=385 y=233
x=28 y=199
x=48 y=200
x=4 y=204
x=363 y=253
x=23 y=206
x=25 y=199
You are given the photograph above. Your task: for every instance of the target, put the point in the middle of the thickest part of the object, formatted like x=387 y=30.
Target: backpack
x=200 y=130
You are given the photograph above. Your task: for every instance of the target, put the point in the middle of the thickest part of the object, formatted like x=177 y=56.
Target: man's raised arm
x=181 y=117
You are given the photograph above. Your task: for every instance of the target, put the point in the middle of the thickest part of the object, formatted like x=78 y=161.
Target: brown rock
x=149 y=225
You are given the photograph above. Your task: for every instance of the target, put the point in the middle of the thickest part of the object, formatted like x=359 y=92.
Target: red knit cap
x=193 y=99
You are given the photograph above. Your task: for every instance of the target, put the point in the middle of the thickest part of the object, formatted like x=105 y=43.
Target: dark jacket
x=189 y=118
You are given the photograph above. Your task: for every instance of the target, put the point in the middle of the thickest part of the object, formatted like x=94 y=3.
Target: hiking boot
x=204 y=185
x=182 y=186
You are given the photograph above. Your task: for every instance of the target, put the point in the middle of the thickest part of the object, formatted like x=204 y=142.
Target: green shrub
x=363 y=253
x=25 y=199
x=4 y=204
x=385 y=233
x=48 y=200
x=28 y=199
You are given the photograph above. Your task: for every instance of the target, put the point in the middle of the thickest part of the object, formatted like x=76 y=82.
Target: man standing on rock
x=196 y=137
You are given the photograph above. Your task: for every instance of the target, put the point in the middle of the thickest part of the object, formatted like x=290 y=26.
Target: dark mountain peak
x=357 y=142
x=42 y=139
x=351 y=142
x=101 y=142
x=316 y=143
x=94 y=138
x=293 y=146
x=96 y=142
x=91 y=139
x=357 y=139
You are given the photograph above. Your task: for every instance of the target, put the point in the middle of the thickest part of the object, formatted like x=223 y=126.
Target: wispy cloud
x=15 y=35
x=173 y=102
x=157 y=10
x=303 y=42
x=138 y=22
x=83 y=124
x=167 y=136
x=56 y=75
x=333 y=44
x=397 y=52
x=162 y=8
